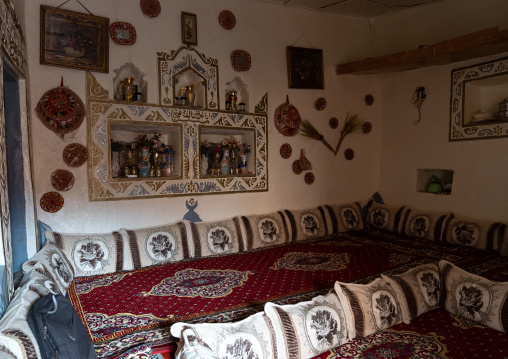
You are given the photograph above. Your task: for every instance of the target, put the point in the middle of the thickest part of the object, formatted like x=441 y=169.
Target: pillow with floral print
x=307 y=223
x=252 y=337
x=463 y=231
x=474 y=297
x=385 y=217
x=369 y=308
x=424 y=224
x=216 y=238
x=306 y=329
x=265 y=230
x=417 y=289
x=345 y=217
x=92 y=254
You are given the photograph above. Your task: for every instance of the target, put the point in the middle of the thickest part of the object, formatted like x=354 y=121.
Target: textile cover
x=123 y=310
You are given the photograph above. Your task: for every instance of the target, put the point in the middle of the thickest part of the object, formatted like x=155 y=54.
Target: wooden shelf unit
x=478 y=44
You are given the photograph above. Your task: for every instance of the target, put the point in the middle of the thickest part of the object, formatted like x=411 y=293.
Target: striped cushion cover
x=417 y=290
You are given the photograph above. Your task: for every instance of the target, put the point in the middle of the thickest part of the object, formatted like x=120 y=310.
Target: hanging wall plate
x=334 y=123
x=320 y=104
x=286 y=151
x=75 y=154
x=227 y=19
x=349 y=154
x=62 y=180
x=61 y=110
x=366 y=127
x=296 y=167
x=122 y=33
x=240 y=60
x=51 y=202
x=150 y=8
x=309 y=178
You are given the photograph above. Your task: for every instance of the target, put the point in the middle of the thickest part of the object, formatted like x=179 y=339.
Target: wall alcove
x=184 y=127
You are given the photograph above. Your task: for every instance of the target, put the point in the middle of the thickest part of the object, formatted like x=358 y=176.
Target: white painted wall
x=480 y=167
x=262 y=29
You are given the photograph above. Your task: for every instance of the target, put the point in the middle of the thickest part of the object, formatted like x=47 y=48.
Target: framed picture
x=305 y=68
x=189 y=29
x=75 y=40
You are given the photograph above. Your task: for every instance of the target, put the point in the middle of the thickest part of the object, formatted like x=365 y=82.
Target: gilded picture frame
x=189 y=29
x=305 y=68
x=74 y=40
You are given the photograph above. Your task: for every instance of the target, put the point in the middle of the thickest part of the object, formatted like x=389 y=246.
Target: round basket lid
x=61 y=110
x=287 y=119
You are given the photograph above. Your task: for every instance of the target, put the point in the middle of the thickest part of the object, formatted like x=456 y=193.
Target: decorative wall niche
x=183 y=127
x=476 y=92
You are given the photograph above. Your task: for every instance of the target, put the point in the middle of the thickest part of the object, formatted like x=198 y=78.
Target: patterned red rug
x=140 y=305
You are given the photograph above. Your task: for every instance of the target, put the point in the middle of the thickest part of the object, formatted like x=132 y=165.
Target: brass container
x=127 y=87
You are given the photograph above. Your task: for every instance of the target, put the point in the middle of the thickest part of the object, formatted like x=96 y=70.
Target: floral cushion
x=252 y=337
x=265 y=230
x=385 y=217
x=92 y=254
x=158 y=245
x=417 y=290
x=464 y=231
x=216 y=238
x=307 y=329
x=368 y=307
x=473 y=297
x=307 y=223
x=345 y=217
x=424 y=224
x=55 y=264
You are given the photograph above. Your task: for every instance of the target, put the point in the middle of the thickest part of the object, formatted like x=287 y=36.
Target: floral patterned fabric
x=368 y=307
x=158 y=245
x=345 y=217
x=55 y=264
x=252 y=337
x=265 y=230
x=385 y=217
x=417 y=290
x=473 y=297
x=469 y=232
x=91 y=254
x=216 y=238
x=307 y=223
x=424 y=224
x=308 y=328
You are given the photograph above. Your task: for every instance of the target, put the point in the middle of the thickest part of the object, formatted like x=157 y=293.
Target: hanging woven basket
x=287 y=119
x=61 y=110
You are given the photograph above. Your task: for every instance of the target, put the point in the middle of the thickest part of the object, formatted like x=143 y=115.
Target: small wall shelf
x=478 y=44
x=423 y=177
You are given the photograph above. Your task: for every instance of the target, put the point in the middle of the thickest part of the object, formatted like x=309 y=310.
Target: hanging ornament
x=61 y=110
x=305 y=164
x=286 y=151
x=287 y=119
x=418 y=97
x=51 y=202
x=309 y=178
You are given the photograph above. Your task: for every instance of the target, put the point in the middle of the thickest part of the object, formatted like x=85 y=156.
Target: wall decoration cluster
x=75 y=40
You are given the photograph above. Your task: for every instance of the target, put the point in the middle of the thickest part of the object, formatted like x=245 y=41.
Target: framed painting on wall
x=189 y=29
x=75 y=40
x=305 y=68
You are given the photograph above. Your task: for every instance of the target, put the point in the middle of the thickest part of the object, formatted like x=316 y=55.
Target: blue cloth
x=41 y=229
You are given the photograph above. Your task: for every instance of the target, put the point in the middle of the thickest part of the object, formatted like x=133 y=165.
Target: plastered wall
x=264 y=30
x=481 y=166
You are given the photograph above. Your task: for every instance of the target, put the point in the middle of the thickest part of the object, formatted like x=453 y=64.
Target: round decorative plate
x=334 y=123
x=62 y=180
x=286 y=151
x=366 y=127
x=349 y=154
x=227 y=19
x=122 y=33
x=296 y=167
x=369 y=99
x=320 y=104
x=150 y=8
x=75 y=154
x=287 y=119
x=309 y=178
x=52 y=202
x=61 y=110
x=240 y=60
